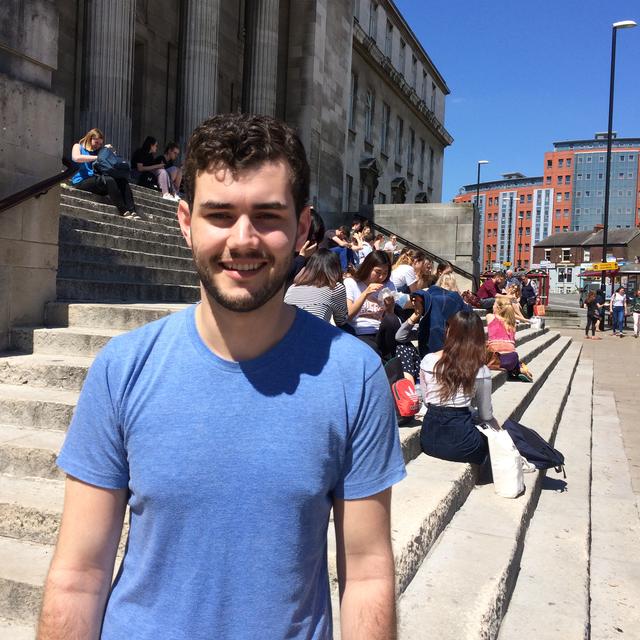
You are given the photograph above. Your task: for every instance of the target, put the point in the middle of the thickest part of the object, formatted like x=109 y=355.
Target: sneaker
x=131 y=215
x=170 y=196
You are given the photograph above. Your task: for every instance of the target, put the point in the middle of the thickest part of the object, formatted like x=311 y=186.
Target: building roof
x=510 y=183
x=617 y=237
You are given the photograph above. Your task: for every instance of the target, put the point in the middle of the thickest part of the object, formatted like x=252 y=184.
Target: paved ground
x=617 y=368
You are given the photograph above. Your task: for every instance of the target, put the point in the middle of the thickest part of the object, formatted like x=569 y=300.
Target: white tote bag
x=506 y=463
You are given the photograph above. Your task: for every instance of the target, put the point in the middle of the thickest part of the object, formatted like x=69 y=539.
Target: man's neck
x=237 y=336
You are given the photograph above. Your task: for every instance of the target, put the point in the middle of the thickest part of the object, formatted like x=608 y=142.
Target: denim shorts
x=449 y=433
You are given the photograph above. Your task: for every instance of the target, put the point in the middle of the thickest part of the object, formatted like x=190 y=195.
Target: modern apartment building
x=518 y=212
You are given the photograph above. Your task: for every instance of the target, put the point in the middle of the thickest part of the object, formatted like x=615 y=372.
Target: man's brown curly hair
x=239 y=141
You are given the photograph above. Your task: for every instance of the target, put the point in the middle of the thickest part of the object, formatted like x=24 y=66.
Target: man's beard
x=250 y=301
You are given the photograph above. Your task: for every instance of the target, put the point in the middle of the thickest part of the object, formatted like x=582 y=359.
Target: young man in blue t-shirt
x=231 y=430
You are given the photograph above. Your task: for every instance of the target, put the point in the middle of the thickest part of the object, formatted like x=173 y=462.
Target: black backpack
x=111 y=164
x=532 y=446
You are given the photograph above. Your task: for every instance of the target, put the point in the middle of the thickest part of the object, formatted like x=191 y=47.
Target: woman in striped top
x=318 y=288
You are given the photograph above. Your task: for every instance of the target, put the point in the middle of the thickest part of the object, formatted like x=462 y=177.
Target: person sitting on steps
x=453 y=379
x=168 y=159
x=150 y=171
x=501 y=340
x=84 y=153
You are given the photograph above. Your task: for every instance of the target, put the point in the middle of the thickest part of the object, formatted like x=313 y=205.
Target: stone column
x=108 y=71
x=199 y=64
x=262 y=56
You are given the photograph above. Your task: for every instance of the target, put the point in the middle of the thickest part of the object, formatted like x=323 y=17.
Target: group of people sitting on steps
x=395 y=300
x=147 y=170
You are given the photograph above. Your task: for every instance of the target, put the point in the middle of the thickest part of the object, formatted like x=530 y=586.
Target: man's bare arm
x=366 y=571
x=79 y=578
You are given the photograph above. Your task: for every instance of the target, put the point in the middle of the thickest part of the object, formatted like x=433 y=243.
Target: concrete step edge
x=482 y=612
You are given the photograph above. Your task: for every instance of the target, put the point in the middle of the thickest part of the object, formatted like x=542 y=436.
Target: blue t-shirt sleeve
x=373 y=460
x=94 y=449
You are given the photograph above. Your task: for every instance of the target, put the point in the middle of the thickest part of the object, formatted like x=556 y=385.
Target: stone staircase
x=458 y=546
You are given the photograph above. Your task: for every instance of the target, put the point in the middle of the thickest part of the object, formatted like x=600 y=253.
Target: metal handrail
x=39 y=188
x=412 y=245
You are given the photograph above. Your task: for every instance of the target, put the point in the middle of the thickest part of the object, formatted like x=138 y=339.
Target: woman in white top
x=318 y=288
x=365 y=310
x=618 y=309
x=451 y=380
x=403 y=274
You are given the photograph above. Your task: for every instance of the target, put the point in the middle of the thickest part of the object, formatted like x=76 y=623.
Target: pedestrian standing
x=618 y=309
x=635 y=309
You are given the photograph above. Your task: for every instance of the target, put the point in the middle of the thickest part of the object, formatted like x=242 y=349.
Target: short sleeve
x=351 y=288
x=339 y=304
x=94 y=450
x=373 y=460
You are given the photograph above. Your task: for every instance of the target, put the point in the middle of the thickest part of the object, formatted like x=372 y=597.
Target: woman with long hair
x=514 y=291
x=318 y=288
x=403 y=274
x=452 y=379
x=618 y=310
x=501 y=339
x=151 y=170
x=593 y=315
x=84 y=153
x=364 y=309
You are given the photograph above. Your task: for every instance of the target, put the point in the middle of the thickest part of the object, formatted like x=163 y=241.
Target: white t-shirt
x=365 y=251
x=431 y=387
x=403 y=276
x=368 y=319
x=618 y=299
x=389 y=246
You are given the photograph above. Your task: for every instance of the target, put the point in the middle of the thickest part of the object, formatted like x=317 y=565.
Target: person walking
x=232 y=429
x=593 y=315
x=635 y=310
x=618 y=309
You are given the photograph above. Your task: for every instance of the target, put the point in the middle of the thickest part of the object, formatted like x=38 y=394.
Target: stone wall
x=447 y=230
x=31 y=121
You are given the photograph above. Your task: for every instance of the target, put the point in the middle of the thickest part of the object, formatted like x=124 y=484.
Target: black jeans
x=591 y=324
x=117 y=189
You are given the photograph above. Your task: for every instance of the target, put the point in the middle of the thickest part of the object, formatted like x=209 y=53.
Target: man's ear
x=304 y=223
x=184 y=218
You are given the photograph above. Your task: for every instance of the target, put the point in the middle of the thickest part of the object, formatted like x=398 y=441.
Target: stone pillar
x=108 y=67
x=199 y=64
x=262 y=56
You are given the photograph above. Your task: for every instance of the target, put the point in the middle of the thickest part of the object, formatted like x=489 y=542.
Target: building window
x=566 y=255
x=578 y=194
x=549 y=164
x=349 y=191
x=586 y=255
x=587 y=194
x=423 y=147
x=600 y=176
x=432 y=165
x=587 y=176
x=384 y=131
x=388 y=40
x=529 y=197
x=548 y=180
x=621 y=158
x=558 y=197
x=403 y=53
x=424 y=86
x=579 y=160
x=433 y=97
x=414 y=72
x=353 y=101
x=559 y=179
x=411 y=150
x=601 y=159
x=557 y=229
x=369 y=113
x=567 y=195
x=547 y=255
x=567 y=179
x=560 y=163
x=382 y=197
x=399 y=135
x=373 y=20
x=565 y=228
x=527 y=231
x=589 y=158
x=579 y=176
x=568 y=162
x=522 y=198
x=565 y=213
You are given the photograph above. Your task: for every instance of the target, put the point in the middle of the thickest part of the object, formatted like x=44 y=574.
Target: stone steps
x=462 y=587
x=44 y=370
x=424 y=503
x=73 y=341
x=615 y=529
x=557 y=541
x=27 y=452
x=38 y=407
x=15 y=631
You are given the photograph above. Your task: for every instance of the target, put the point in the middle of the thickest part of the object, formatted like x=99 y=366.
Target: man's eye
x=267 y=215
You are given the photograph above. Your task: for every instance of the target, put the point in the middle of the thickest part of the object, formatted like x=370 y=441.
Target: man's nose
x=243 y=233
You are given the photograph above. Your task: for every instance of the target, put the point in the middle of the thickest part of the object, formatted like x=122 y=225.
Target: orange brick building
x=517 y=212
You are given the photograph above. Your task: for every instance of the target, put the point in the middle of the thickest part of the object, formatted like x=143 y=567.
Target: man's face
x=393 y=239
x=243 y=233
x=173 y=154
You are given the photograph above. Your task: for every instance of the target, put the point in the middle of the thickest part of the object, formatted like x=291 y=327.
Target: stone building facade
x=352 y=77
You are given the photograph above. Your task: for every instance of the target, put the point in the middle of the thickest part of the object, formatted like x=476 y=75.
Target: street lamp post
x=489 y=251
x=480 y=162
x=624 y=24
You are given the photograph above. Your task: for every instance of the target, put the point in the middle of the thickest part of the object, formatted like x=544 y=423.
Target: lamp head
x=483 y=162
x=624 y=24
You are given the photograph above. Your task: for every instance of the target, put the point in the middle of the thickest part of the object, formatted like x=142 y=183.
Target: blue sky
x=524 y=75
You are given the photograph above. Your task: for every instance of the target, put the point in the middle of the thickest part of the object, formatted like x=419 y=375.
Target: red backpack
x=406 y=398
